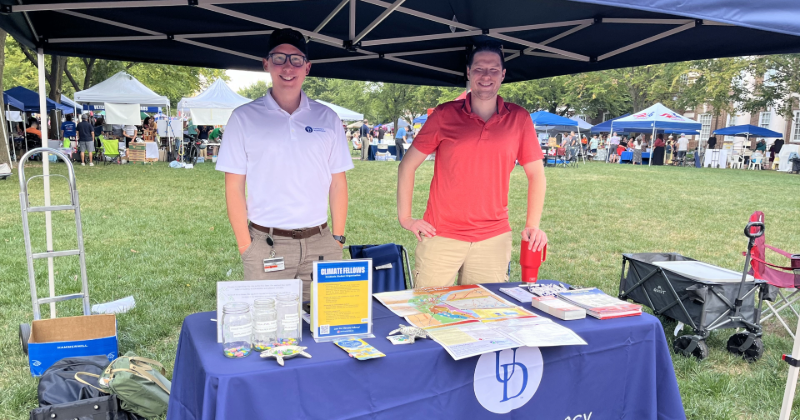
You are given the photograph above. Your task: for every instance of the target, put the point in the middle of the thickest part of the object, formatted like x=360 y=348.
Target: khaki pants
x=298 y=255
x=439 y=259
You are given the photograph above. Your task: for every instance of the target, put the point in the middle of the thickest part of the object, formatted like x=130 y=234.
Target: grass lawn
x=162 y=235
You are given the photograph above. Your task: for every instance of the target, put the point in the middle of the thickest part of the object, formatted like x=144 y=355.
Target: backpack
x=141 y=388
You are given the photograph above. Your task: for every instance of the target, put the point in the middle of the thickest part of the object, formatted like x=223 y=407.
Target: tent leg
x=46 y=172
x=652 y=149
x=8 y=148
x=580 y=146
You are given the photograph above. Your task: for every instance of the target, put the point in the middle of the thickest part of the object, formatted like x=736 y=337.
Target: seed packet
x=359 y=349
x=399 y=339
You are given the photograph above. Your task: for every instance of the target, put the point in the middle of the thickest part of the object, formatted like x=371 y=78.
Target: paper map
x=432 y=306
x=471 y=320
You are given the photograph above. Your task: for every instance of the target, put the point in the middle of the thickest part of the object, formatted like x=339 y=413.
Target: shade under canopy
x=413 y=42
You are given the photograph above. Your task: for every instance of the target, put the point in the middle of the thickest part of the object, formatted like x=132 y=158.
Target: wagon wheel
x=691 y=345
x=752 y=353
x=24 y=336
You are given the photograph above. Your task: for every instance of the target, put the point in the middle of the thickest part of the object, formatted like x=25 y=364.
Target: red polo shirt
x=469 y=192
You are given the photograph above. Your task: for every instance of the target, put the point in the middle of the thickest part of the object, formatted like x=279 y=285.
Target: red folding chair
x=779 y=277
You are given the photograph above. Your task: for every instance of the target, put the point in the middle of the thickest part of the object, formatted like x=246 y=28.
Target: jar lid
x=235 y=308
x=286 y=297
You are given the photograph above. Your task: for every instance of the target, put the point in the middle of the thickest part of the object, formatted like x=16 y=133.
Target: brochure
x=518 y=293
x=599 y=304
x=558 y=308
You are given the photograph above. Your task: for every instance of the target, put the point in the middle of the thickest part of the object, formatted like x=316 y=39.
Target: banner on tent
x=127 y=114
x=141 y=108
x=210 y=116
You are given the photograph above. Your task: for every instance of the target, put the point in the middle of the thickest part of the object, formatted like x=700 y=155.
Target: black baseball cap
x=288 y=36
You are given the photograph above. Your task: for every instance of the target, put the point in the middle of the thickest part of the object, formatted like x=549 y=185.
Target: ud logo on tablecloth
x=506 y=380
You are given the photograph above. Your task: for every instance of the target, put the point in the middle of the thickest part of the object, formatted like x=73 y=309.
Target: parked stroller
x=700 y=295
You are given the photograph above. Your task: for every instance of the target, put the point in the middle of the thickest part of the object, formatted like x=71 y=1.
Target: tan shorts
x=298 y=254
x=439 y=259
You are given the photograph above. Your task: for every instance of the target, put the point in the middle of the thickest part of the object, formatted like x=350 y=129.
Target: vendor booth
x=547 y=122
x=213 y=106
x=654 y=119
x=746 y=131
x=624 y=371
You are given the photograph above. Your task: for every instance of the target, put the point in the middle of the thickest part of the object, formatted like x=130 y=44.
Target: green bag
x=141 y=388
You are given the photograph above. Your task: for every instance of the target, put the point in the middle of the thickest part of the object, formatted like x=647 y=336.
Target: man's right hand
x=418 y=226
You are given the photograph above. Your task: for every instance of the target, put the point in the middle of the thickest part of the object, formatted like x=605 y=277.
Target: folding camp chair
x=110 y=150
x=778 y=277
x=391 y=270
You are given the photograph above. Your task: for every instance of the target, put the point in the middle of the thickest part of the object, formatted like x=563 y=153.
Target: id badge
x=273 y=264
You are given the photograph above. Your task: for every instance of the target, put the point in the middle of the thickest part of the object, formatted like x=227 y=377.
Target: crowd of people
x=377 y=134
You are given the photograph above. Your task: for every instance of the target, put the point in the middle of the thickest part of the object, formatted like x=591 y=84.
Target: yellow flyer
x=341 y=299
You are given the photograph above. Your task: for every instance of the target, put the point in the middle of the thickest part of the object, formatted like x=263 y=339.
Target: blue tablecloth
x=624 y=372
x=373 y=149
x=628 y=157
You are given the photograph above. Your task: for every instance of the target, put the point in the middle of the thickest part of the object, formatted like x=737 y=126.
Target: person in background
x=399 y=143
x=622 y=147
x=683 y=146
x=364 y=136
x=658 y=150
x=761 y=146
x=202 y=135
x=86 y=139
x=215 y=136
x=68 y=130
x=612 y=144
x=637 y=150
x=670 y=150
x=593 y=144
x=348 y=134
x=129 y=132
x=34 y=128
x=381 y=133
x=712 y=142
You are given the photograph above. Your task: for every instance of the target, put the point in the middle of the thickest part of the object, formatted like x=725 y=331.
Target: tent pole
x=48 y=216
x=652 y=149
x=25 y=130
x=608 y=140
x=9 y=149
x=580 y=145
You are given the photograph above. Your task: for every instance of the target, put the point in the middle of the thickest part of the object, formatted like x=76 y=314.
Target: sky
x=241 y=78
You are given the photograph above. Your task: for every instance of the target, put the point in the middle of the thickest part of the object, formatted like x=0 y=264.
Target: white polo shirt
x=288 y=160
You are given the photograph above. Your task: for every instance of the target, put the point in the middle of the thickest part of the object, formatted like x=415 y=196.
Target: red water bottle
x=531 y=260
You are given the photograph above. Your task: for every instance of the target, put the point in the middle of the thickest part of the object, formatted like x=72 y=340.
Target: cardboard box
x=54 y=339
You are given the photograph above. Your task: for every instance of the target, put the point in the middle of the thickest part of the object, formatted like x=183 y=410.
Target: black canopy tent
x=408 y=41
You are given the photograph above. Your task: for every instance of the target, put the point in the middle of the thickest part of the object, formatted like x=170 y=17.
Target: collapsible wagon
x=700 y=295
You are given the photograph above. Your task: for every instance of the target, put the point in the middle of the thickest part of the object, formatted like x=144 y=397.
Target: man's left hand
x=536 y=238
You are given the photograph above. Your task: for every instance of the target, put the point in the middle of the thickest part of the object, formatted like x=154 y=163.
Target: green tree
x=775 y=80
x=255 y=90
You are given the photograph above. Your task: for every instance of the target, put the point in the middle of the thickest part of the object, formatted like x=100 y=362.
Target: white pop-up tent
x=214 y=105
x=121 y=88
x=343 y=113
x=656 y=118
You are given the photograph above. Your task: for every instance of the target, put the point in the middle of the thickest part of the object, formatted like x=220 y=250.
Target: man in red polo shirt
x=465 y=229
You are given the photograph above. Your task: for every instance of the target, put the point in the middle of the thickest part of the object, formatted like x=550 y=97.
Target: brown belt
x=294 y=233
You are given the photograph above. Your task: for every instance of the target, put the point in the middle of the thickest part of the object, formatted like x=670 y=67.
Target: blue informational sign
x=341 y=299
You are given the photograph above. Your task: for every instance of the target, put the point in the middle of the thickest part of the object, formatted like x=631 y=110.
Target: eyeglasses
x=296 y=60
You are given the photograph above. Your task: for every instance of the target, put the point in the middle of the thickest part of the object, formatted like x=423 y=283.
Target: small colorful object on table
x=287 y=342
x=285 y=352
x=411 y=332
x=359 y=349
x=237 y=352
x=400 y=339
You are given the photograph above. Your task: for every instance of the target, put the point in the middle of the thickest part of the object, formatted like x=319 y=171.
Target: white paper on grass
x=127 y=114
x=249 y=290
x=210 y=116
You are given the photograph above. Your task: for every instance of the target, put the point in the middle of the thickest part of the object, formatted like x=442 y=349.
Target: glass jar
x=265 y=325
x=237 y=329
x=288 y=319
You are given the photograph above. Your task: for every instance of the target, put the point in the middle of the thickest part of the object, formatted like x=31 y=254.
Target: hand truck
x=25 y=329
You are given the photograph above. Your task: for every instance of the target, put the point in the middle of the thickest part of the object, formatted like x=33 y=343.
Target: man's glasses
x=279 y=59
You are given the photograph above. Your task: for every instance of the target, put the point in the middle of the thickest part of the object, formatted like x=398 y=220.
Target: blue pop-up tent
x=421 y=119
x=13 y=102
x=656 y=118
x=30 y=101
x=547 y=121
x=747 y=130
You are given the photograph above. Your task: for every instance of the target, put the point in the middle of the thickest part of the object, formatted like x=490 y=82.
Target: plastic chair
x=778 y=277
x=755 y=161
x=389 y=266
x=110 y=149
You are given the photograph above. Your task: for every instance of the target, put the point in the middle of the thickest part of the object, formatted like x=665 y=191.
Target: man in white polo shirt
x=292 y=155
